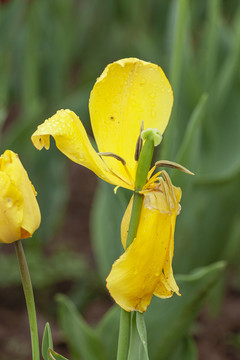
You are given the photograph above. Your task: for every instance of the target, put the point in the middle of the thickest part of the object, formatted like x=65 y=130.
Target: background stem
x=29 y=297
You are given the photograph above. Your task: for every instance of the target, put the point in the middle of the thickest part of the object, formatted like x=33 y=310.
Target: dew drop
x=153 y=113
x=153 y=94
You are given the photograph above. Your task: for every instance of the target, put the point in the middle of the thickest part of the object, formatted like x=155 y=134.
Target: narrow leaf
x=136 y=350
x=185 y=152
x=52 y=355
x=187 y=350
x=142 y=331
x=83 y=340
x=46 y=341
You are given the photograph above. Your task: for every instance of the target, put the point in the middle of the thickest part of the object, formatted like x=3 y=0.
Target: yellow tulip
x=127 y=92
x=19 y=211
x=145 y=268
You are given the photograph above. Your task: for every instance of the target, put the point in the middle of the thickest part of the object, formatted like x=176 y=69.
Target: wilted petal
x=127 y=92
x=72 y=140
x=145 y=267
x=167 y=284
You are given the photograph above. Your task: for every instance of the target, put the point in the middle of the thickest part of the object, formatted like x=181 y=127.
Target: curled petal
x=72 y=140
x=127 y=92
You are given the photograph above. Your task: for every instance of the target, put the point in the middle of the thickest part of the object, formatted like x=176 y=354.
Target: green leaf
x=46 y=341
x=136 y=350
x=186 y=350
x=52 y=355
x=142 y=331
x=83 y=340
x=227 y=74
x=168 y=321
x=109 y=324
x=187 y=152
x=177 y=31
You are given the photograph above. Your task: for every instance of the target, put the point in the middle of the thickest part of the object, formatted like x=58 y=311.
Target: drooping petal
x=135 y=274
x=146 y=266
x=11 y=210
x=167 y=285
x=11 y=167
x=127 y=92
x=72 y=140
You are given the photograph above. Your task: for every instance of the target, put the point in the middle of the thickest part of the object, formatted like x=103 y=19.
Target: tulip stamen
x=119 y=158
x=173 y=165
x=166 y=193
x=139 y=142
x=115 y=156
x=170 y=186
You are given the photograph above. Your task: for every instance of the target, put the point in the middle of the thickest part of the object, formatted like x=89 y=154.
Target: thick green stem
x=29 y=297
x=144 y=164
x=135 y=216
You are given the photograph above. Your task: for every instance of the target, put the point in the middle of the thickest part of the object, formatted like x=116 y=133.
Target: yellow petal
x=167 y=284
x=127 y=92
x=153 y=199
x=11 y=210
x=146 y=266
x=72 y=140
x=11 y=167
x=161 y=290
x=134 y=276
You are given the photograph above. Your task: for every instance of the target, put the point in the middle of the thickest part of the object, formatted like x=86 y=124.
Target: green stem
x=135 y=216
x=29 y=297
x=144 y=163
x=124 y=335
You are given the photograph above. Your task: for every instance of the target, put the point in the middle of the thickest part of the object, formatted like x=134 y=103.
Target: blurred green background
x=51 y=52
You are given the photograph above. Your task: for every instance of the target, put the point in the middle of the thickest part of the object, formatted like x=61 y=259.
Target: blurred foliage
x=51 y=54
x=165 y=332
x=45 y=270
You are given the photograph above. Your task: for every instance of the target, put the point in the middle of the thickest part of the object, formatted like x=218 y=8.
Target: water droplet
x=153 y=113
x=153 y=94
x=135 y=272
x=157 y=274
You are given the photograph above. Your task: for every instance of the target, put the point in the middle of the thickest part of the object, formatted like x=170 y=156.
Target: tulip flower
x=19 y=211
x=128 y=92
x=145 y=268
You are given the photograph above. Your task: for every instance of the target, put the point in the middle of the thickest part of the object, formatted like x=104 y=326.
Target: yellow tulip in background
x=19 y=210
x=128 y=92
